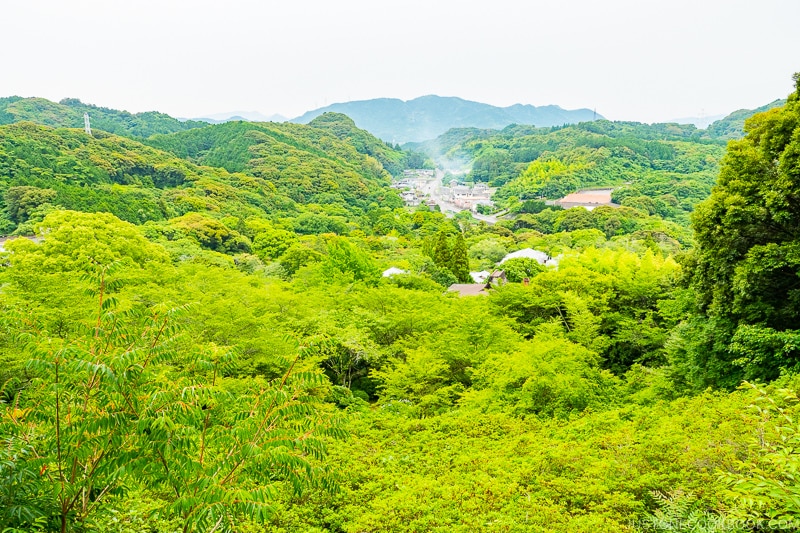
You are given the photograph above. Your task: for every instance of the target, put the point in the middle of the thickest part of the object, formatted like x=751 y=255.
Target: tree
x=72 y=239
x=272 y=243
x=519 y=268
x=459 y=262
x=748 y=243
x=441 y=250
x=212 y=233
x=21 y=201
x=129 y=401
x=344 y=258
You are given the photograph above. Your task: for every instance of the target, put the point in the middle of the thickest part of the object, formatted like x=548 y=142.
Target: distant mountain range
x=247 y=116
x=701 y=122
x=392 y=120
x=732 y=126
x=427 y=117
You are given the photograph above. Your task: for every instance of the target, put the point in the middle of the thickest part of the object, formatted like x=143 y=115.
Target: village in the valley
x=420 y=186
x=424 y=186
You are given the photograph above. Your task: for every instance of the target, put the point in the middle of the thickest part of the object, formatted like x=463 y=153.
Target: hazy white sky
x=641 y=60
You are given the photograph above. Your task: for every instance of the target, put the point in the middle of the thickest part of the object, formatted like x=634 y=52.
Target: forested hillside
x=663 y=169
x=732 y=126
x=68 y=113
x=311 y=165
x=200 y=338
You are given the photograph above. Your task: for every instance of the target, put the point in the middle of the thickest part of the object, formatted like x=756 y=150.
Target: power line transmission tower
x=86 y=126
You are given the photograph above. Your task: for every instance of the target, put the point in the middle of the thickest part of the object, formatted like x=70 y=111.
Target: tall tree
x=441 y=251
x=459 y=262
x=747 y=268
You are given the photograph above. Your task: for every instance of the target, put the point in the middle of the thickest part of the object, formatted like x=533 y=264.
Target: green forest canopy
x=202 y=340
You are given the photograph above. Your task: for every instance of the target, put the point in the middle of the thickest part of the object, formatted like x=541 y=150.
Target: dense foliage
x=745 y=267
x=196 y=336
x=69 y=114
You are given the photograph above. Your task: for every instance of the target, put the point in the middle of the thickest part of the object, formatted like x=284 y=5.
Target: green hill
x=732 y=126
x=309 y=164
x=69 y=114
x=660 y=168
x=40 y=165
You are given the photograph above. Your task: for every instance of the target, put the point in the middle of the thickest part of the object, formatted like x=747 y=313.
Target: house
x=460 y=191
x=392 y=271
x=410 y=198
x=529 y=253
x=469 y=289
x=498 y=277
x=480 y=277
x=588 y=199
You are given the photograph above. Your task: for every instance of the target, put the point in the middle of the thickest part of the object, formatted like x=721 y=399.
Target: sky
x=644 y=60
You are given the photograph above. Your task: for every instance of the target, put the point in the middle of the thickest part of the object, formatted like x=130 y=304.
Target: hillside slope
x=311 y=165
x=41 y=166
x=68 y=113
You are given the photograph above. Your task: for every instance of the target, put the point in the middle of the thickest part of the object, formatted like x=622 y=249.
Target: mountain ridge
x=426 y=117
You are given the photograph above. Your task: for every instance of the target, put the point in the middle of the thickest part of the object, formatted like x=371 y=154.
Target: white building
x=529 y=253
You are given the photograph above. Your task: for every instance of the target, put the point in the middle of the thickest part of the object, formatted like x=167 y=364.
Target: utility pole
x=86 y=126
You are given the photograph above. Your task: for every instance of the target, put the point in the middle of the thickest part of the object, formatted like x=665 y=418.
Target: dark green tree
x=441 y=251
x=748 y=254
x=459 y=262
x=20 y=201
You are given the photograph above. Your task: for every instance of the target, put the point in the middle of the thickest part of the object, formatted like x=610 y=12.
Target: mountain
x=427 y=117
x=732 y=126
x=247 y=116
x=68 y=113
x=310 y=165
x=700 y=122
x=262 y=170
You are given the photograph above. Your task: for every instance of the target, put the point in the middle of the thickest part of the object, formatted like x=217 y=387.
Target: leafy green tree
x=22 y=200
x=73 y=240
x=272 y=243
x=298 y=255
x=212 y=233
x=459 y=262
x=764 y=486
x=344 y=258
x=748 y=242
x=123 y=403
x=488 y=252
x=441 y=250
x=519 y=268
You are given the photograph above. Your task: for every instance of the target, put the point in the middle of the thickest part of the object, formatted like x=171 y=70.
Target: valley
x=247 y=327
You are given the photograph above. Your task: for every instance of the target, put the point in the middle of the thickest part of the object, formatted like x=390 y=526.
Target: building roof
x=480 y=277
x=468 y=289
x=391 y=271
x=599 y=197
x=529 y=253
